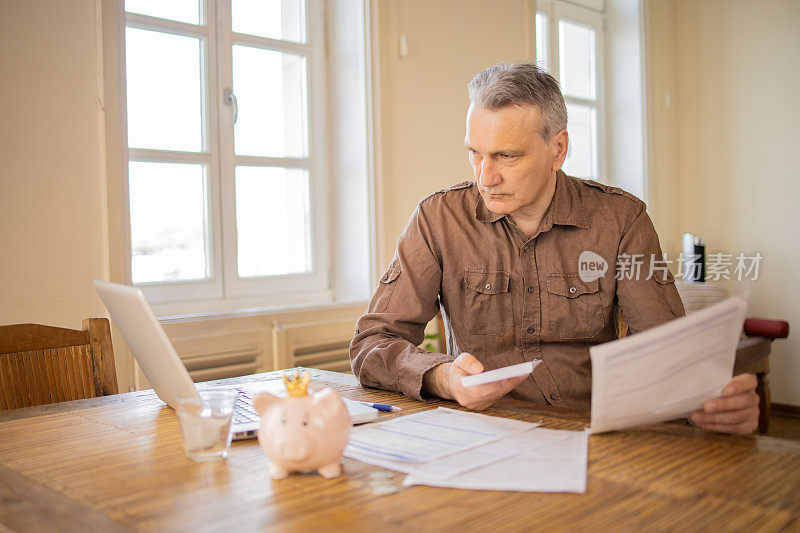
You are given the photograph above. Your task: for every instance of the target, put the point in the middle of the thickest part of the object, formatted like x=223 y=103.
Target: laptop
x=159 y=361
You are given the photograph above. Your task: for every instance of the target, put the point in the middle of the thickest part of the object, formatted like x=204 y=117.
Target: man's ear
x=559 y=143
x=263 y=401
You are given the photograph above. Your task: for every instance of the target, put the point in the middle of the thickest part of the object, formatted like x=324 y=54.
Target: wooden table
x=117 y=463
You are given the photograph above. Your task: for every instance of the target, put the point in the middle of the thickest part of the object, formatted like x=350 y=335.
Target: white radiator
x=323 y=345
x=231 y=346
x=206 y=367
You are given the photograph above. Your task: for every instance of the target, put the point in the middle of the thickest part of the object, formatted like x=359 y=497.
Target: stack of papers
x=450 y=448
x=668 y=371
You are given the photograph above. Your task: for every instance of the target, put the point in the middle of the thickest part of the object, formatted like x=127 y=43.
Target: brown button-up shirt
x=508 y=298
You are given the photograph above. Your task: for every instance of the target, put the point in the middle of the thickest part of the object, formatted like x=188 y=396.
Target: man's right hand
x=445 y=381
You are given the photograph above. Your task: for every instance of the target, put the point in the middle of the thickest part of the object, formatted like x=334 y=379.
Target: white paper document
x=498 y=374
x=665 y=372
x=428 y=435
x=537 y=460
x=450 y=448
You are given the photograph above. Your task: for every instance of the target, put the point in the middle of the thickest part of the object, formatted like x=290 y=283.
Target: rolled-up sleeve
x=646 y=290
x=384 y=352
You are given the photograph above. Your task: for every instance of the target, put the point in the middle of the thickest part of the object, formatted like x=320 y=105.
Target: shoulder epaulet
x=611 y=190
x=462 y=185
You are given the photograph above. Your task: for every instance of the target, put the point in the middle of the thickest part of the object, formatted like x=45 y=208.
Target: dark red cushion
x=764 y=327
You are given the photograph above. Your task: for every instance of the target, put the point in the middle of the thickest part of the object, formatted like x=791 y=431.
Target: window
x=226 y=166
x=569 y=45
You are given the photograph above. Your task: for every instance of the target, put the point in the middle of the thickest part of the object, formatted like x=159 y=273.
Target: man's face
x=511 y=161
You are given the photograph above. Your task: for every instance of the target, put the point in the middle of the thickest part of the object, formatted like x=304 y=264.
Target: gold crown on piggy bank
x=297 y=384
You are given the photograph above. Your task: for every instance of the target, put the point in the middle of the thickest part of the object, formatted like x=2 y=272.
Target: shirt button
x=526 y=249
x=385 y=277
x=488 y=286
x=530 y=290
x=531 y=330
x=573 y=290
x=553 y=397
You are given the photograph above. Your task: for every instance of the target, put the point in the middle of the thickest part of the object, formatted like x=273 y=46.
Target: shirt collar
x=565 y=209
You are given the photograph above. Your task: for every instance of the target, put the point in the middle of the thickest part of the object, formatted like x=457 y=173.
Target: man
x=500 y=255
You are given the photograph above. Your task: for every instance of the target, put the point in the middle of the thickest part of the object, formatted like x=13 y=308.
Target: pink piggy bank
x=301 y=433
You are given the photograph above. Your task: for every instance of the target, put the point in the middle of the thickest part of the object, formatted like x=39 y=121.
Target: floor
x=784 y=427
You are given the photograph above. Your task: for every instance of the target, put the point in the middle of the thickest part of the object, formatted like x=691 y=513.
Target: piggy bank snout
x=296 y=449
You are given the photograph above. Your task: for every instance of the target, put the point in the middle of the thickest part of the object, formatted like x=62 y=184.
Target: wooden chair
x=44 y=364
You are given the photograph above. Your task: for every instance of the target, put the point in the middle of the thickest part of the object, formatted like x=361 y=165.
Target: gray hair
x=522 y=83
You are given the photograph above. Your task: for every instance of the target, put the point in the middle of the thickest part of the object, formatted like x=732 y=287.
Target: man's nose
x=487 y=173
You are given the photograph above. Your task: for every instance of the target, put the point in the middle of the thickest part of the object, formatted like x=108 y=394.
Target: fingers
x=481 y=397
x=731 y=403
x=736 y=411
x=739 y=384
x=748 y=424
x=509 y=384
x=726 y=417
x=478 y=397
x=738 y=397
x=467 y=363
x=741 y=420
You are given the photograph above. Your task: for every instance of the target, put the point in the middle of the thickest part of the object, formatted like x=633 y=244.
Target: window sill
x=244 y=307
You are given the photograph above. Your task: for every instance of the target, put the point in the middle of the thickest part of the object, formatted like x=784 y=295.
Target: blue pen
x=382 y=406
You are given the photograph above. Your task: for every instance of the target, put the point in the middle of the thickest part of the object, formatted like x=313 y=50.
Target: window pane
x=577 y=59
x=582 y=152
x=164 y=91
x=270 y=90
x=180 y=10
x=276 y=19
x=541 y=41
x=272 y=221
x=168 y=222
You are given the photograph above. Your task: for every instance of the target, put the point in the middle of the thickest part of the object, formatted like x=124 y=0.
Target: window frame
x=224 y=289
x=555 y=11
x=315 y=163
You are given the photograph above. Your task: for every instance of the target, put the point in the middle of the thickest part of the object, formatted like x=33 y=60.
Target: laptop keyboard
x=244 y=411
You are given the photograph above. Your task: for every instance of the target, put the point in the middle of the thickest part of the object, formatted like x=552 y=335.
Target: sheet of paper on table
x=428 y=435
x=537 y=460
x=665 y=372
x=470 y=450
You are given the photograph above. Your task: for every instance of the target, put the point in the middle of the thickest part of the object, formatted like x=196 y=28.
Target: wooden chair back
x=44 y=364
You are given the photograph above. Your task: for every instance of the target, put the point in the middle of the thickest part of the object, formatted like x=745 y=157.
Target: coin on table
x=383 y=488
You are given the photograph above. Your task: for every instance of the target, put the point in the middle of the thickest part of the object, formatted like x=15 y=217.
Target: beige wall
x=54 y=219
x=662 y=94
x=725 y=147
x=423 y=96
x=52 y=188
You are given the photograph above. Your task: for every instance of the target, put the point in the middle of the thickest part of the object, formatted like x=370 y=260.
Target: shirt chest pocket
x=487 y=305
x=574 y=307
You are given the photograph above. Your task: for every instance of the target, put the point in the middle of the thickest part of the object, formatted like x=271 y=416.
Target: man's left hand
x=736 y=411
